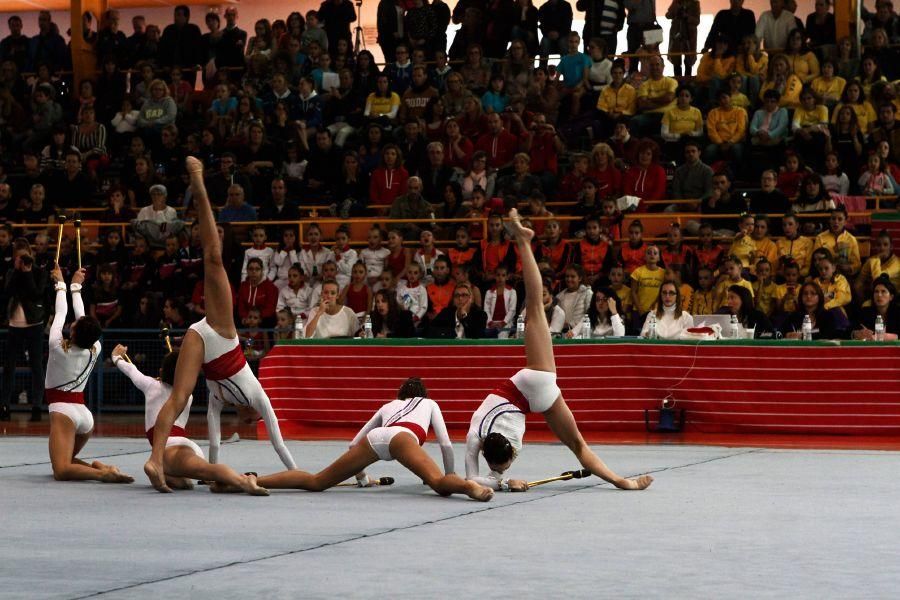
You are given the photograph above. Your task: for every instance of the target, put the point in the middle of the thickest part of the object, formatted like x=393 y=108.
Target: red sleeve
x=270 y=301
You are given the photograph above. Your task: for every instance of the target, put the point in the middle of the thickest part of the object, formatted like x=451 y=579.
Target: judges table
x=725 y=386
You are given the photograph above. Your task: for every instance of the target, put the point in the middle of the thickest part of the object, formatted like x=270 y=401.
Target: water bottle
x=806 y=329
x=367 y=328
x=520 y=327
x=734 y=328
x=299 y=328
x=879 y=329
x=586 y=328
x=651 y=327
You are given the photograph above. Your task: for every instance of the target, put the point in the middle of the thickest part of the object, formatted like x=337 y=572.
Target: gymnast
x=69 y=365
x=212 y=345
x=183 y=458
x=396 y=432
x=497 y=427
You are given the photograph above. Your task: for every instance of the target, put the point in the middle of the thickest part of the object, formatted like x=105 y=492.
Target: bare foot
x=522 y=234
x=639 y=483
x=179 y=483
x=250 y=486
x=223 y=488
x=157 y=476
x=192 y=165
x=114 y=476
x=480 y=493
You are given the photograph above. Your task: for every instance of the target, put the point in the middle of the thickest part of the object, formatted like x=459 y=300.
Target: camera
x=26 y=260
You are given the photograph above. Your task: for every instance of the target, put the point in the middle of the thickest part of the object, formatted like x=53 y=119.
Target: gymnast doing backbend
x=498 y=425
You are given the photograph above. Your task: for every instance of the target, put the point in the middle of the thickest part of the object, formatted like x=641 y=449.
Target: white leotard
x=416 y=415
x=231 y=380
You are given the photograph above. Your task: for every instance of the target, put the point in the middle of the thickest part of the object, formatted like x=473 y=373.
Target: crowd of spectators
x=291 y=115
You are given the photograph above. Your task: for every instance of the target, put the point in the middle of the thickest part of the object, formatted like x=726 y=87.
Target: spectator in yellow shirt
x=802 y=60
x=703 y=300
x=834 y=285
x=382 y=104
x=742 y=247
x=715 y=67
x=793 y=247
x=682 y=120
x=655 y=96
x=782 y=79
x=732 y=276
x=734 y=87
x=787 y=294
x=827 y=86
x=764 y=246
x=869 y=75
x=645 y=281
x=810 y=128
x=764 y=288
x=840 y=243
x=616 y=100
x=726 y=126
x=752 y=63
x=854 y=97
x=882 y=261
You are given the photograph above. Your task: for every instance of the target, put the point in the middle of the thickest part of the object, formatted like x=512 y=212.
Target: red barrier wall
x=751 y=387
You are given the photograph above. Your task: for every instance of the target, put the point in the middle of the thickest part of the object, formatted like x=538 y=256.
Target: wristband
x=60 y=286
x=504 y=485
x=75 y=288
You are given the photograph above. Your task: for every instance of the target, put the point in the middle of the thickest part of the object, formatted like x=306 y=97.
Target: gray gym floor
x=717 y=523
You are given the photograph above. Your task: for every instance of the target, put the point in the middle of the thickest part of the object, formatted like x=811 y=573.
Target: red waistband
x=176 y=432
x=53 y=395
x=508 y=390
x=226 y=365
x=414 y=427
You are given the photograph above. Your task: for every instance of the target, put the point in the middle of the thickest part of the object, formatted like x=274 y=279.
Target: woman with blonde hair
x=782 y=79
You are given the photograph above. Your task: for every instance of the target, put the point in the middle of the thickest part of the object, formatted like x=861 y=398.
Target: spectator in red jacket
x=498 y=143
x=389 y=179
x=257 y=291
x=646 y=179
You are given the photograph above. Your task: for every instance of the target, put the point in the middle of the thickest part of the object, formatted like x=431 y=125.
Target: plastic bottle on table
x=367 y=328
x=879 y=329
x=652 y=334
x=520 y=327
x=586 y=328
x=734 y=328
x=806 y=329
x=299 y=328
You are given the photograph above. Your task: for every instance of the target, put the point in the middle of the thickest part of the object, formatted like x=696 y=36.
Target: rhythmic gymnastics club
x=78 y=239
x=59 y=234
x=164 y=334
x=381 y=481
x=563 y=477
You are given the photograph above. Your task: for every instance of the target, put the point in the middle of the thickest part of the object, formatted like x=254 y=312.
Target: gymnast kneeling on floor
x=396 y=432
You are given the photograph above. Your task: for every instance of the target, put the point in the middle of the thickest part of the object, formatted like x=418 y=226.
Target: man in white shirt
x=774 y=26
